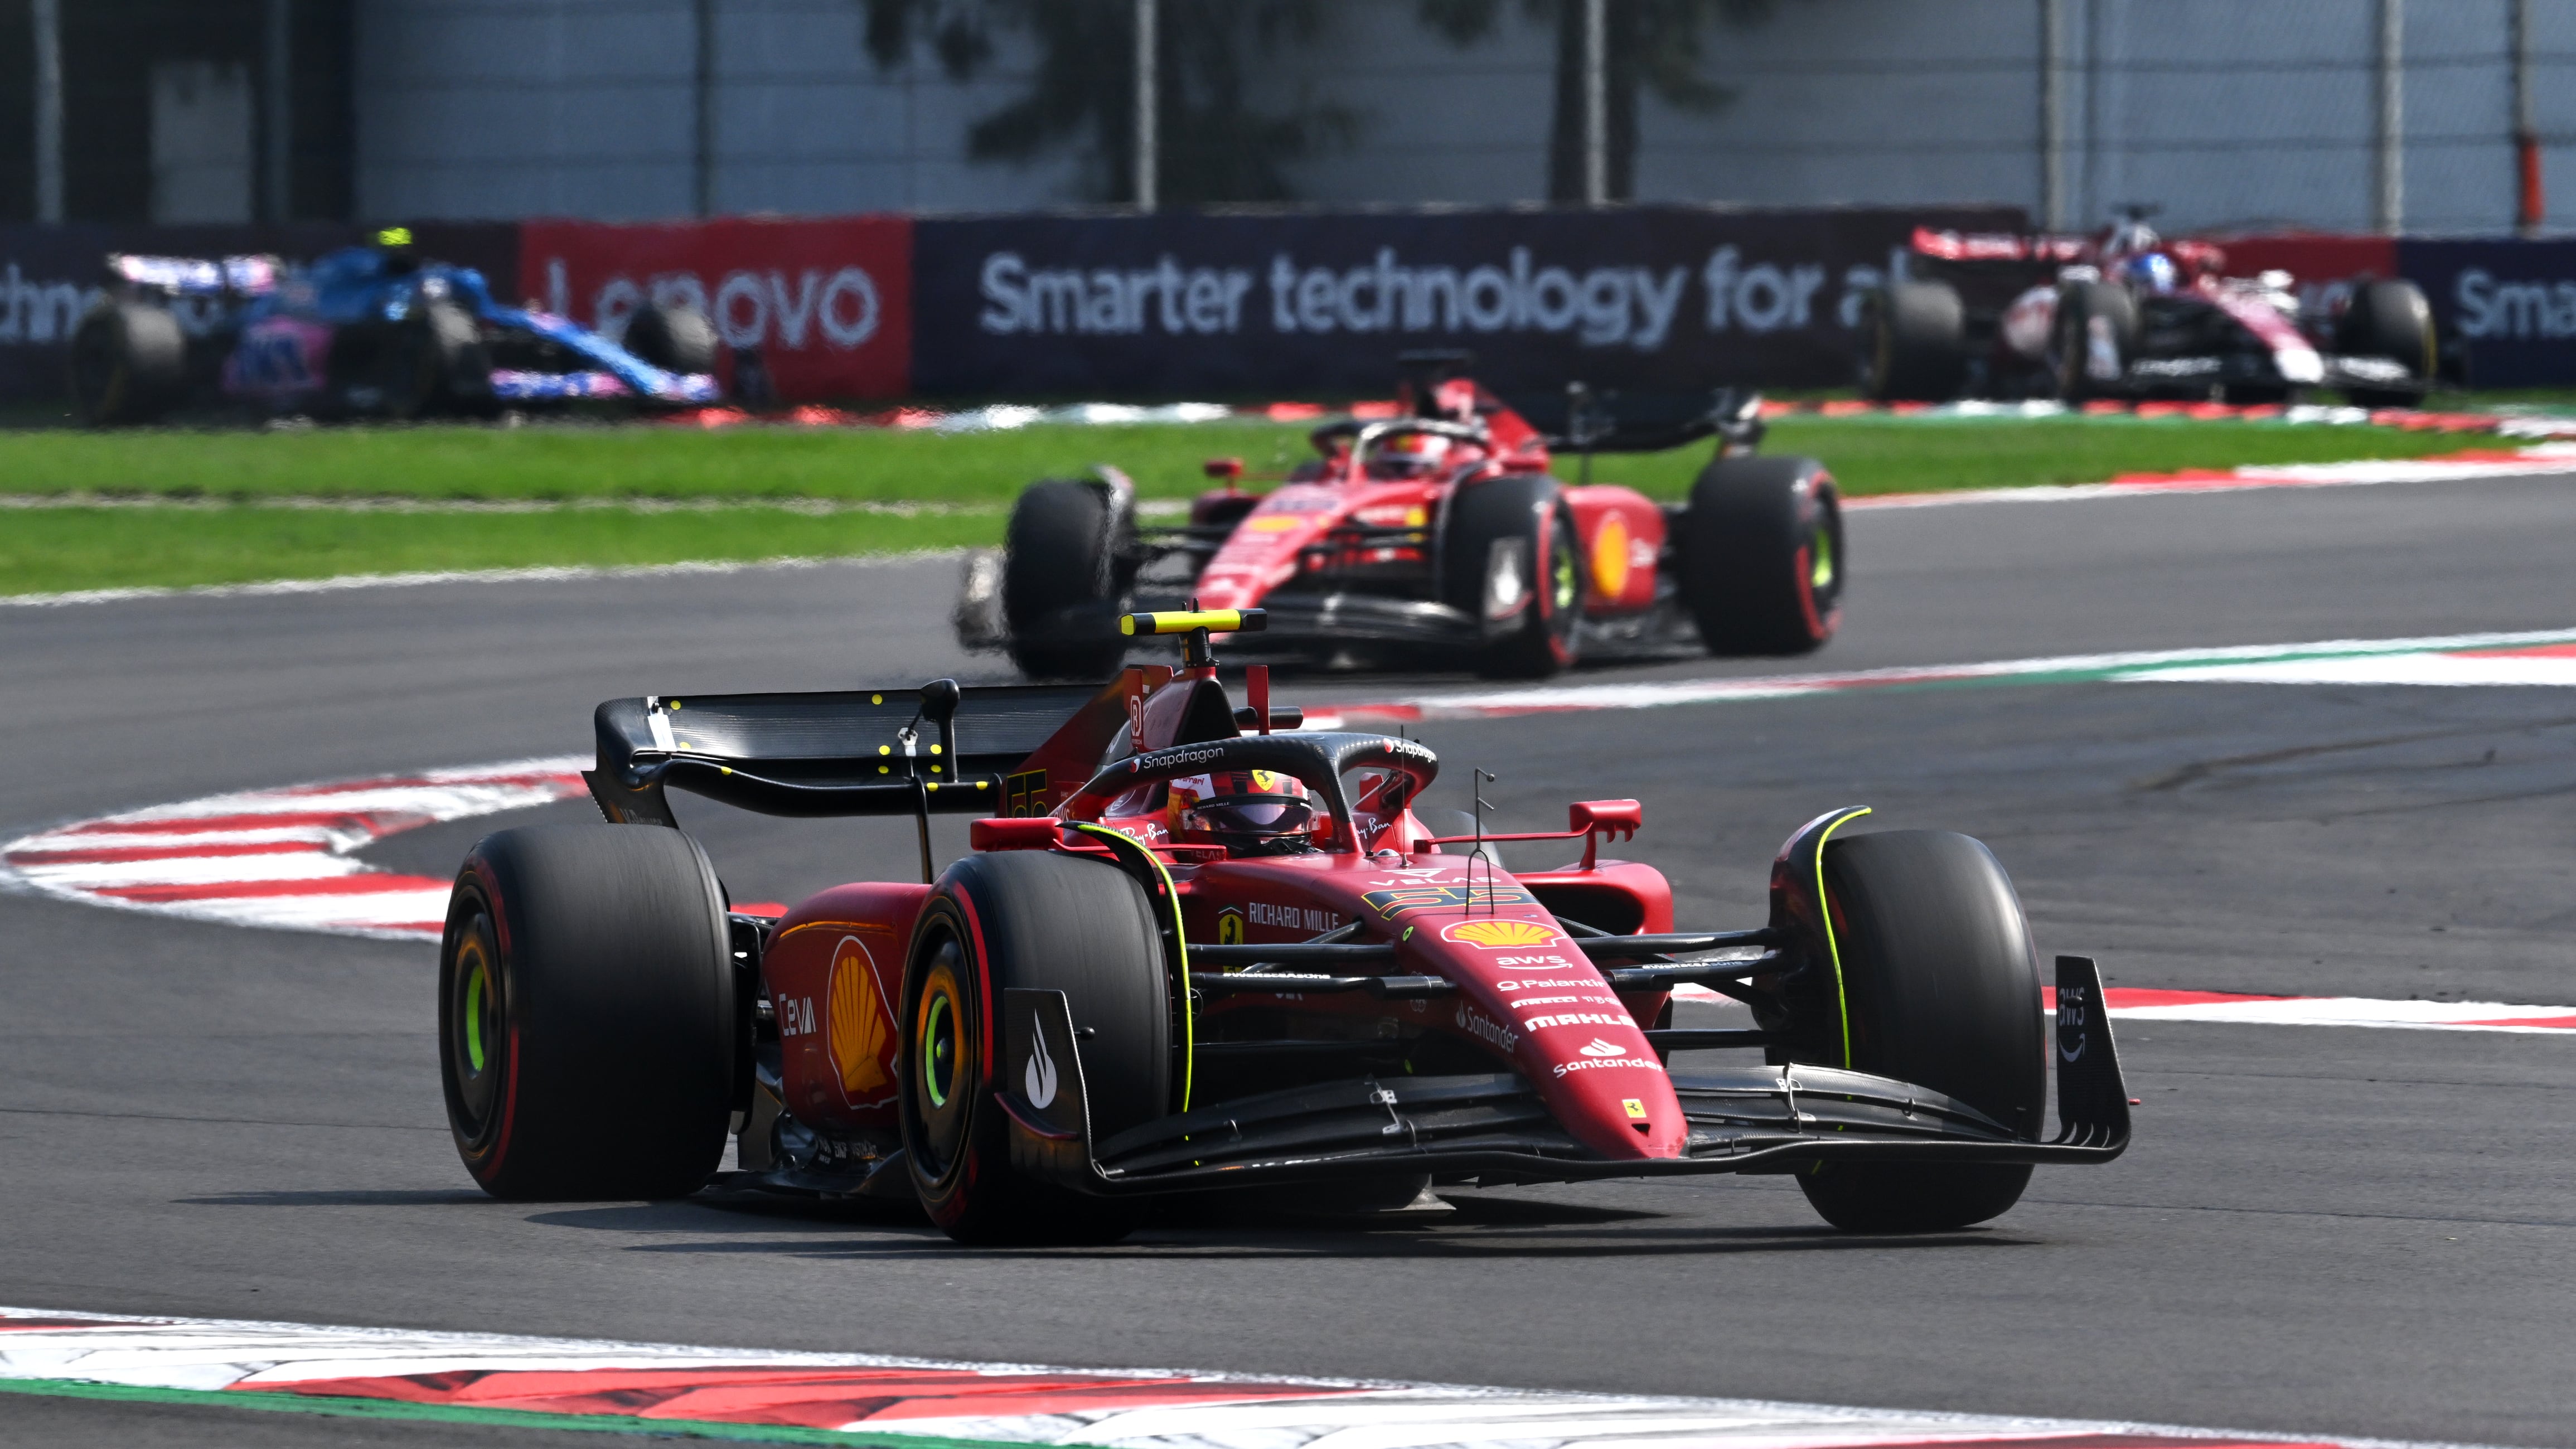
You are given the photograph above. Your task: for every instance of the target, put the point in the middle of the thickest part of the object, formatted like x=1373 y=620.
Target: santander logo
x=1600 y=1048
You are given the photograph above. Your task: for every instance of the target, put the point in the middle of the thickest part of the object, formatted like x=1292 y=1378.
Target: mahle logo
x=1495 y=935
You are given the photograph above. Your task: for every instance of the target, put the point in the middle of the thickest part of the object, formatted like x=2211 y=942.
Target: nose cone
x=1617 y=1101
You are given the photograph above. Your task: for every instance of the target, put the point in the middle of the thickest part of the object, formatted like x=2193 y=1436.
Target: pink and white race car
x=2129 y=314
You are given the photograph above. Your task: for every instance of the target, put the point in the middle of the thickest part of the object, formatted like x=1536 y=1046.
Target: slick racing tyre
x=1761 y=556
x=2095 y=335
x=129 y=363
x=435 y=363
x=1039 y=920
x=672 y=338
x=2389 y=320
x=1509 y=560
x=1939 y=988
x=1066 y=565
x=1917 y=336
x=587 y=1028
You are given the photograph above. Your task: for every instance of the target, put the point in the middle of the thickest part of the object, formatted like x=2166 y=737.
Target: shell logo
x=1610 y=558
x=1495 y=934
x=859 y=1023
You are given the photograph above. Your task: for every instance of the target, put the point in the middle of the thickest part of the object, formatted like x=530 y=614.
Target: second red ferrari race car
x=1441 y=532
x=1196 y=948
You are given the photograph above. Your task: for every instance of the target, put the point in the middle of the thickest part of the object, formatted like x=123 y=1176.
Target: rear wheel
x=1036 y=920
x=1762 y=558
x=1918 y=343
x=1939 y=988
x=1509 y=559
x=586 y=1013
x=129 y=363
x=2390 y=320
x=435 y=363
x=674 y=339
x=2093 y=338
x=1063 y=579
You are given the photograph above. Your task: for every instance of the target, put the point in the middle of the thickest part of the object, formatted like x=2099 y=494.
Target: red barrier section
x=827 y=304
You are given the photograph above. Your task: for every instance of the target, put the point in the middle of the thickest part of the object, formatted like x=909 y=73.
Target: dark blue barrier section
x=1657 y=299
x=2508 y=305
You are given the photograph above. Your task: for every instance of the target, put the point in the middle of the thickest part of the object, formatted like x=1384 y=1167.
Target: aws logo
x=1497 y=935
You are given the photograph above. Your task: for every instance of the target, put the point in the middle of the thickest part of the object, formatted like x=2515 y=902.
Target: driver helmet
x=2129 y=238
x=1409 y=455
x=1257 y=812
x=2156 y=273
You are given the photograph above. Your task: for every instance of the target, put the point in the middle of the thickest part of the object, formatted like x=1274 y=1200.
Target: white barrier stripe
x=2127 y=1003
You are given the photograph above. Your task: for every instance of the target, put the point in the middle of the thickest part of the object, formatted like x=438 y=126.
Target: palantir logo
x=1040 y=1077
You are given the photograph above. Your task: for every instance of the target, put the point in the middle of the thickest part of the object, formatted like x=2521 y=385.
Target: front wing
x=1494 y=1127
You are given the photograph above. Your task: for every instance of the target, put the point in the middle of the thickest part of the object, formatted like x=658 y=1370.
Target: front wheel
x=1938 y=987
x=2090 y=344
x=586 y=1017
x=1510 y=561
x=1762 y=557
x=1041 y=921
x=1065 y=572
x=2390 y=320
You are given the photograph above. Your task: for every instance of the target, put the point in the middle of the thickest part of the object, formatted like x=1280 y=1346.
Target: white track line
x=2545 y=657
x=2546 y=459
x=342 y=583
x=283 y=859
x=1129 y=1409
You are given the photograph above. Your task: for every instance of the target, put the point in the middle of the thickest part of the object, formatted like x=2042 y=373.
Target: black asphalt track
x=2364 y=1232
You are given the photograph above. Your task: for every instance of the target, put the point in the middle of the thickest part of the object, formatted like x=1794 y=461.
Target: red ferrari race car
x=1196 y=948
x=1439 y=532
x=2129 y=314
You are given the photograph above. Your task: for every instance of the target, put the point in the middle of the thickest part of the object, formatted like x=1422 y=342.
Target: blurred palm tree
x=1653 y=45
x=1214 y=144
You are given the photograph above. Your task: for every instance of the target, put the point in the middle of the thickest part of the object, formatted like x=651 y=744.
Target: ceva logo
x=1494 y=934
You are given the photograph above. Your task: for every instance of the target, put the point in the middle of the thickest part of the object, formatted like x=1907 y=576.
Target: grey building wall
x=2229 y=113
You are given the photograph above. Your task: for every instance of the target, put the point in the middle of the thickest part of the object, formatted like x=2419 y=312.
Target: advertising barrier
x=826 y=304
x=1662 y=299
x=2508 y=305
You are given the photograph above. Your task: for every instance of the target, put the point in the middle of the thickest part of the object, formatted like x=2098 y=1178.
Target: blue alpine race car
x=366 y=331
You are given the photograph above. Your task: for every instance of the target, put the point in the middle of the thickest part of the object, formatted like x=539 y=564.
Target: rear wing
x=197 y=276
x=1581 y=420
x=940 y=748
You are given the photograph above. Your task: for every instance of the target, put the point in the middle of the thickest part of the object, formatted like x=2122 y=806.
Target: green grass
x=649 y=460
x=55 y=548
x=51 y=550
x=1905 y=455
x=1869 y=455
